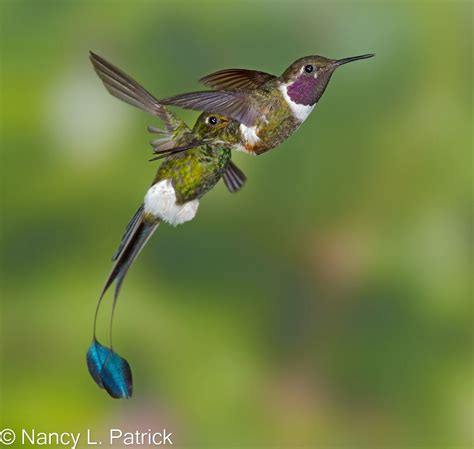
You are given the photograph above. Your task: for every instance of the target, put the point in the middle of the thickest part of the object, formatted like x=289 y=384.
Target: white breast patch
x=249 y=134
x=300 y=111
x=160 y=201
x=240 y=147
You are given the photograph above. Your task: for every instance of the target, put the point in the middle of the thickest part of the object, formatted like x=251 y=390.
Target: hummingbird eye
x=212 y=120
x=308 y=68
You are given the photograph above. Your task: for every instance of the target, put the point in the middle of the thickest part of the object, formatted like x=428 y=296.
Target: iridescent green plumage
x=194 y=172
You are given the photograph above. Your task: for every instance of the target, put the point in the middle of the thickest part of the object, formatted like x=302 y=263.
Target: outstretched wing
x=233 y=178
x=234 y=104
x=236 y=79
x=125 y=88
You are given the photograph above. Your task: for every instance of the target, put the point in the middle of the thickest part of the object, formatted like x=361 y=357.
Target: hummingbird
x=269 y=108
x=194 y=160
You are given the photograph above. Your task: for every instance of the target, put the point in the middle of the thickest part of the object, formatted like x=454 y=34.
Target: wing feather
x=125 y=88
x=236 y=79
x=234 y=104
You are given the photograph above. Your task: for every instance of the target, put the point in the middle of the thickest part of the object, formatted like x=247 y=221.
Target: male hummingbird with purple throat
x=269 y=108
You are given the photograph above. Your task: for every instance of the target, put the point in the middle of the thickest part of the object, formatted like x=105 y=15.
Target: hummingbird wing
x=125 y=88
x=240 y=106
x=168 y=145
x=233 y=178
x=236 y=79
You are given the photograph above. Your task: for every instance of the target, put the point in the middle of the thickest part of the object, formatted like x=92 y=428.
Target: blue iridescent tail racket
x=109 y=370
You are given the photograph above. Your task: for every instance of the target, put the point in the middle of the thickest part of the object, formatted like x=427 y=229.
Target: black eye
x=308 y=68
x=212 y=120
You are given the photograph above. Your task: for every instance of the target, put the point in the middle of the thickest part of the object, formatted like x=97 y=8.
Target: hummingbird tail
x=108 y=369
x=234 y=178
x=136 y=236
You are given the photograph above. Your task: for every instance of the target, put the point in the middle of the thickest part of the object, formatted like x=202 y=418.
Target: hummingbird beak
x=339 y=62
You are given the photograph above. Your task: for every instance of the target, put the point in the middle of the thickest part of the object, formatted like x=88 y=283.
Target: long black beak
x=339 y=62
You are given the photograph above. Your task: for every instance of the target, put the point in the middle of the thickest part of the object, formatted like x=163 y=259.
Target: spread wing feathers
x=125 y=88
x=234 y=178
x=237 y=105
x=236 y=79
x=163 y=144
x=169 y=143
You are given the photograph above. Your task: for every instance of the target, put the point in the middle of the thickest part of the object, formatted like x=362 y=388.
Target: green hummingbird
x=269 y=108
x=193 y=162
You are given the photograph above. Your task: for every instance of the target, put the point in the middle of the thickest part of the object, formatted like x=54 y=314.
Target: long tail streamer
x=109 y=370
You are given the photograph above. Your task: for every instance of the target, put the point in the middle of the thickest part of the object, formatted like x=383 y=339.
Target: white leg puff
x=160 y=201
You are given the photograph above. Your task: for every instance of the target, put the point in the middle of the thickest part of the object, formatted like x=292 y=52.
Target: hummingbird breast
x=182 y=180
x=161 y=203
x=281 y=117
x=250 y=138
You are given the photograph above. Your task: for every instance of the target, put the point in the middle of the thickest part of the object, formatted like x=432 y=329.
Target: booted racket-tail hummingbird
x=193 y=162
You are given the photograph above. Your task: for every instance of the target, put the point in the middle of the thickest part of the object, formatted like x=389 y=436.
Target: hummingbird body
x=268 y=108
x=183 y=179
x=194 y=172
x=276 y=124
x=194 y=162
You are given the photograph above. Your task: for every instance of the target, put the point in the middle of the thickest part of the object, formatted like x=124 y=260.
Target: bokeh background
x=327 y=304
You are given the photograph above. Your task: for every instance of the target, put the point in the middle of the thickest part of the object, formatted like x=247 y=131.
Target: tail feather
x=133 y=242
x=234 y=178
x=108 y=369
x=128 y=231
x=135 y=239
x=138 y=232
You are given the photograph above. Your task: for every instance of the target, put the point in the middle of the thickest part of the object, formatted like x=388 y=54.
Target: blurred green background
x=327 y=304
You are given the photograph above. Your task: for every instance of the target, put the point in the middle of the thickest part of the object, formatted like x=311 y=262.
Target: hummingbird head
x=307 y=78
x=216 y=128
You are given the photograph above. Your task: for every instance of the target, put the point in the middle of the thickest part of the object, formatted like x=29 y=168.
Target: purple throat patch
x=302 y=91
